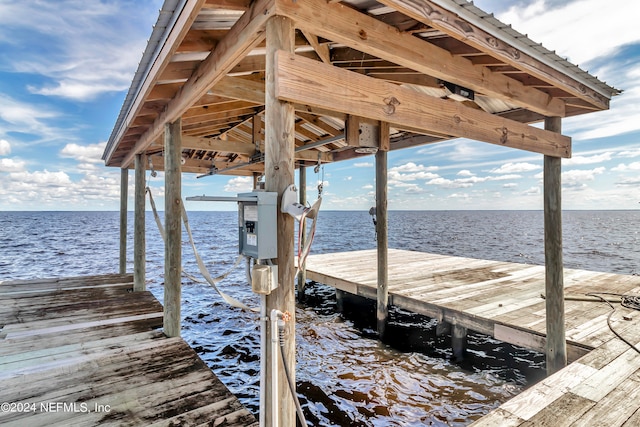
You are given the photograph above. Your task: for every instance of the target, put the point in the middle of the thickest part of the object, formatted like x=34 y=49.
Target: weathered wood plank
x=112 y=356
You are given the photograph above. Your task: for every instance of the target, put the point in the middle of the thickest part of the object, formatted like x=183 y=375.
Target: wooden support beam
x=245 y=34
x=173 y=228
x=214 y=144
x=124 y=195
x=253 y=91
x=384 y=143
x=383 y=244
x=556 y=347
x=279 y=174
x=437 y=17
x=321 y=49
x=342 y=24
x=352 y=131
x=139 y=249
x=306 y=81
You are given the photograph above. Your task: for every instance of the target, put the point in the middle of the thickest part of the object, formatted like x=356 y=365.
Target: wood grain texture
x=304 y=81
x=97 y=343
x=342 y=24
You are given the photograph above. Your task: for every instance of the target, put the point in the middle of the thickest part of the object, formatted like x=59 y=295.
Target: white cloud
x=348 y=178
x=510 y=185
x=410 y=172
x=465 y=172
x=629 y=182
x=630 y=153
x=363 y=165
x=447 y=183
x=91 y=153
x=40 y=179
x=587 y=160
x=412 y=167
x=93 y=46
x=515 y=168
x=577 y=178
x=239 y=184
x=367 y=187
x=11 y=165
x=25 y=118
x=5 y=147
x=557 y=25
x=635 y=166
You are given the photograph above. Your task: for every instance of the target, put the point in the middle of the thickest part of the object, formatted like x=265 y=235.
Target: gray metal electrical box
x=257 y=226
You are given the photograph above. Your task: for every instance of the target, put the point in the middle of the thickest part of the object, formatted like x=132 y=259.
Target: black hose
x=292 y=386
x=627 y=301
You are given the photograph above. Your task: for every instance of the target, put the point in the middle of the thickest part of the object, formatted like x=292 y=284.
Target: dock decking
x=504 y=300
x=85 y=351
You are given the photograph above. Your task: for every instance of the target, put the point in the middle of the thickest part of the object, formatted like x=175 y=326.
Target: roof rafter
x=248 y=31
x=342 y=24
x=435 y=16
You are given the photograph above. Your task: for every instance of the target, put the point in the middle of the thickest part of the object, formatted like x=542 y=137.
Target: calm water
x=345 y=376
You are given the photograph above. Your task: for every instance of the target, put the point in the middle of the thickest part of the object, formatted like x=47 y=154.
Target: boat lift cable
x=627 y=301
x=203 y=269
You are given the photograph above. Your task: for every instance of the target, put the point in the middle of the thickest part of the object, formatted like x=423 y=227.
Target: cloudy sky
x=65 y=67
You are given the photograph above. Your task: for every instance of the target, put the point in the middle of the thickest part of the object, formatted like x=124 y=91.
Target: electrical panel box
x=264 y=278
x=257 y=226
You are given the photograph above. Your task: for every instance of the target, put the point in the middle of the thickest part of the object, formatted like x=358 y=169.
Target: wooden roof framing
x=392 y=61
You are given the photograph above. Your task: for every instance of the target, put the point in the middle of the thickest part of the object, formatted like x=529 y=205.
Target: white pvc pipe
x=263 y=358
x=274 y=366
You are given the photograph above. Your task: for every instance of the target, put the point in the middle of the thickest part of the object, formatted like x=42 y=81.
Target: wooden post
x=173 y=227
x=124 y=194
x=279 y=174
x=381 y=231
x=554 y=280
x=139 y=250
x=458 y=342
x=340 y=300
x=302 y=188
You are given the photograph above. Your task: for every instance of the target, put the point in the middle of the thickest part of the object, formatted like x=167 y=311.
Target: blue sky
x=65 y=67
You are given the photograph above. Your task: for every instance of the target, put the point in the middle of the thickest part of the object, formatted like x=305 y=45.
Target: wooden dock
x=84 y=351
x=504 y=300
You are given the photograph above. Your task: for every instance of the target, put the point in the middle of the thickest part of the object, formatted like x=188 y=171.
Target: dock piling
x=556 y=347
x=124 y=194
x=139 y=249
x=173 y=227
x=382 y=237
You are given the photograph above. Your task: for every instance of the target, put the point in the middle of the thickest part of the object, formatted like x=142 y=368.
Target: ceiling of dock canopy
x=432 y=69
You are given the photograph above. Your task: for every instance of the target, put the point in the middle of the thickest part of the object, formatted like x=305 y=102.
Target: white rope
x=303 y=251
x=203 y=269
x=205 y=273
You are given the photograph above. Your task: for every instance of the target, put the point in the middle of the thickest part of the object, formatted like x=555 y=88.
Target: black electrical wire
x=627 y=301
x=292 y=386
